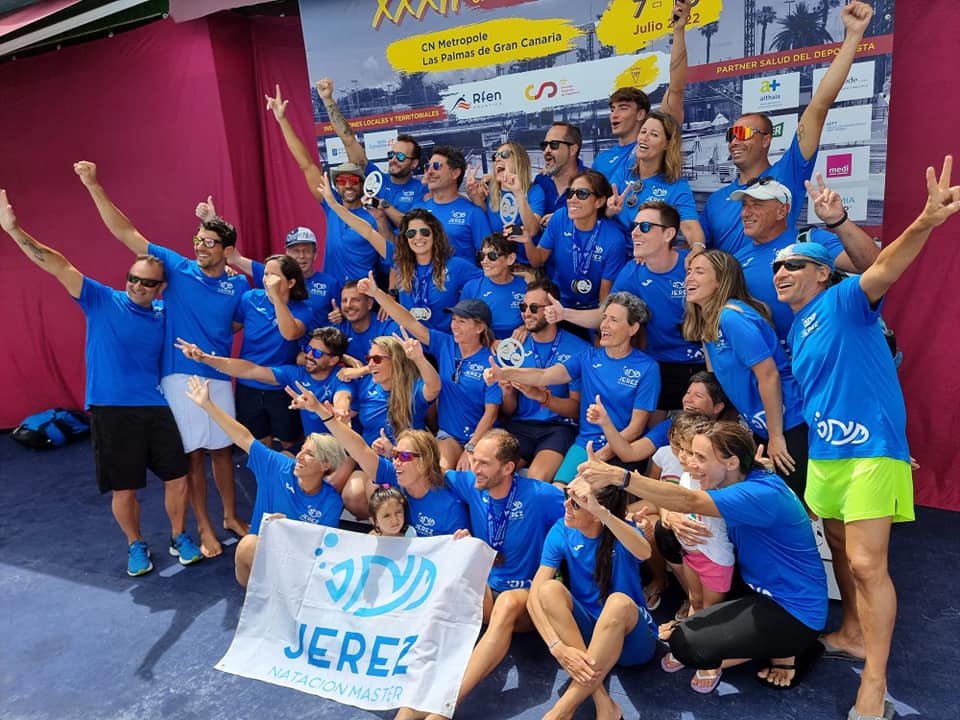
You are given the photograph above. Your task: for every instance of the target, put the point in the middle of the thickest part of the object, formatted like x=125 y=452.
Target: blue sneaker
x=184 y=548
x=138 y=560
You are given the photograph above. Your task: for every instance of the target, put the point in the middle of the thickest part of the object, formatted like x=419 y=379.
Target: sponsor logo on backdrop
x=839 y=166
x=859 y=84
x=776 y=92
x=847 y=125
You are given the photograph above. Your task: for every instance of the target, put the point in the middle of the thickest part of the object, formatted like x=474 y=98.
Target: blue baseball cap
x=810 y=250
x=473 y=309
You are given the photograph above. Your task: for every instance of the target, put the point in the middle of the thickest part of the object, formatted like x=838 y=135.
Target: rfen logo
x=840 y=165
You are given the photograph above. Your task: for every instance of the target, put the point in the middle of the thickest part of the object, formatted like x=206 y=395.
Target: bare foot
x=209 y=544
x=666 y=630
x=236 y=526
x=609 y=710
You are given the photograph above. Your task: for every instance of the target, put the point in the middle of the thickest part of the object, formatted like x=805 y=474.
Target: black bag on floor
x=51 y=428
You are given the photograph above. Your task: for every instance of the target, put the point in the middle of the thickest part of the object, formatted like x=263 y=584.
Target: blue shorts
x=638 y=646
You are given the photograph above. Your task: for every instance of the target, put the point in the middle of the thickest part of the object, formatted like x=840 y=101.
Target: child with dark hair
x=388 y=510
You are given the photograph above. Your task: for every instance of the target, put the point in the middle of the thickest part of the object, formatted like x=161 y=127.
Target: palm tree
x=708 y=31
x=767 y=16
x=801 y=29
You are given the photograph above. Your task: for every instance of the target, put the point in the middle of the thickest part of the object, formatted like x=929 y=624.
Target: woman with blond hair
x=656 y=175
x=742 y=349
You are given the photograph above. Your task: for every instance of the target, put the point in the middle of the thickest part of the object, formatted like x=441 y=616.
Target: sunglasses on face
x=375 y=359
x=490 y=255
x=206 y=242
x=313 y=352
x=742 y=132
x=351 y=180
x=534 y=308
x=146 y=282
x=579 y=193
x=554 y=144
x=645 y=225
x=437 y=165
x=573 y=503
x=411 y=233
x=791 y=265
x=398 y=156
x=405 y=455
x=508 y=153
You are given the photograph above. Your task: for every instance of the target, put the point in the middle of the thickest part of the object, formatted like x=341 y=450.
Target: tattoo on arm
x=677 y=62
x=39 y=254
x=339 y=122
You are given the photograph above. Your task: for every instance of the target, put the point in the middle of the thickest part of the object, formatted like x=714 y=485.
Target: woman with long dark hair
x=601 y=620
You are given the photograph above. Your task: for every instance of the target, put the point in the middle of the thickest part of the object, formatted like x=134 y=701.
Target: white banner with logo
x=373 y=622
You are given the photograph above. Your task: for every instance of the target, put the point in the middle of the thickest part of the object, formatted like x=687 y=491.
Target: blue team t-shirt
x=464 y=393
x=279 y=491
x=426 y=301
x=624 y=384
x=677 y=194
x=358 y=343
x=262 y=342
x=757 y=263
x=580 y=552
x=542 y=355
x=666 y=296
x=536 y=507
x=347 y=254
x=324 y=390
x=503 y=300
x=402 y=196
x=123 y=348
x=720 y=219
x=745 y=339
x=200 y=309
x=852 y=399
x=439 y=512
x=370 y=401
x=615 y=161
x=776 y=550
x=466 y=225
x=537 y=203
x=582 y=256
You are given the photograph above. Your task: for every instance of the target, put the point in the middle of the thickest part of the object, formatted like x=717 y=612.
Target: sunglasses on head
x=146 y=282
x=398 y=156
x=762 y=180
x=579 y=193
x=206 y=242
x=532 y=307
x=313 y=352
x=412 y=232
x=636 y=187
x=792 y=265
x=645 y=225
x=351 y=180
x=375 y=359
x=437 y=165
x=490 y=255
x=405 y=455
x=742 y=132
x=573 y=502
x=497 y=154
x=554 y=144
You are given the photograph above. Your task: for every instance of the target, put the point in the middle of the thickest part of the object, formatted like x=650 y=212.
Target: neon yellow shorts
x=860 y=489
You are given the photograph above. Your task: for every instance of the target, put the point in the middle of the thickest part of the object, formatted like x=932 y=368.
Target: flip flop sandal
x=705 y=689
x=889 y=712
x=684 y=612
x=669 y=664
x=653 y=597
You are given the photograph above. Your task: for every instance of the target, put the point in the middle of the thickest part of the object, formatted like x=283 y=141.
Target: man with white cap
x=301 y=245
x=764 y=214
x=859 y=476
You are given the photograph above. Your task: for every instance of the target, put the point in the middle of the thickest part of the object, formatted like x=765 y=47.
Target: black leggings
x=797 y=439
x=754 y=627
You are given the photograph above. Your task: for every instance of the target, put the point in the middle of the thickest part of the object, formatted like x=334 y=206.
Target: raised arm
x=395 y=310
x=414 y=351
x=856 y=17
x=672 y=103
x=117 y=223
x=234 y=367
x=363 y=228
x=199 y=391
x=311 y=171
x=39 y=254
x=943 y=202
x=207 y=211
x=290 y=327
x=859 y=248
x=355 y=151
x=626 y=533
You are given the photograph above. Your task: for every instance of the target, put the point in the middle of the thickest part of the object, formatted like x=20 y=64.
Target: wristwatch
x=469 y=447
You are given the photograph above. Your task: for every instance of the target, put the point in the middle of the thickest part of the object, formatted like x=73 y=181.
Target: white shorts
x=197 y=429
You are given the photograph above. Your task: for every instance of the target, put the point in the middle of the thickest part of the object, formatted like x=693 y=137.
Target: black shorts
x=128 y=441
x=535 y=436
x=797 y=439
x=267 y=412
x=674 y=379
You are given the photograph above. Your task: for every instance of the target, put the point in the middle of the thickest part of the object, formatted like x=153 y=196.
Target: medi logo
x=840 y=165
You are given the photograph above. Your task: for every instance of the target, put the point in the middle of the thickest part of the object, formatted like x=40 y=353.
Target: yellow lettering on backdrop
x=629 y=25
x=487 y=43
